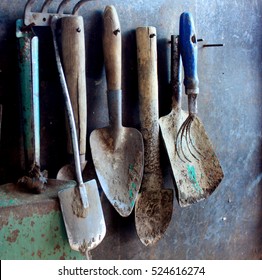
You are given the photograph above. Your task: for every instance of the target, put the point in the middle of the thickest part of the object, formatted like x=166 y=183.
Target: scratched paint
x=7 y=202
x=133 y=186
x=35 y=237
x=131 y=191
x=131 y=194
x=193 y=178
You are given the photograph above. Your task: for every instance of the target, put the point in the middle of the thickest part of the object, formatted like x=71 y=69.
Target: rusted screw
x=27 y=28
x=116 y=31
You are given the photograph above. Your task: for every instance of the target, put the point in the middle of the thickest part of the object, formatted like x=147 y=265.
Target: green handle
x=29 y=81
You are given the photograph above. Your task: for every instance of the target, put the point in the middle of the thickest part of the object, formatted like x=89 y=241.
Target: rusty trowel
x=196 y=176
x=117 y=151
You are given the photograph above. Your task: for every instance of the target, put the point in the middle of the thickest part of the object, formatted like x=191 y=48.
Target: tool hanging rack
x=44 y=18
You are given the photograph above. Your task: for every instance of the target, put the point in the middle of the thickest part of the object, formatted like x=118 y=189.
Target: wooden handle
x=176 y=73
x=73 y=54
x=148 y=102
x=112 y=48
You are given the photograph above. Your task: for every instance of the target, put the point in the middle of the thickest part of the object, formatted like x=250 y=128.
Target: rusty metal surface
x=31 y=226
x=228 y=225
x=197 y=176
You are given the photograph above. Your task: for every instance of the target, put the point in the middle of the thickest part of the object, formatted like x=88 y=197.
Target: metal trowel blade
x=153 y=214
x=86 y=231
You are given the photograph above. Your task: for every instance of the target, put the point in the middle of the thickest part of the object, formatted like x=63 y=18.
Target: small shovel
x=197 y=177
x=117 y=151
x=154 y=206
x=81 y=206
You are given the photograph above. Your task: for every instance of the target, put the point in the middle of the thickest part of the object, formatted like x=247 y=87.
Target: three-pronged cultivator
x=43 y=17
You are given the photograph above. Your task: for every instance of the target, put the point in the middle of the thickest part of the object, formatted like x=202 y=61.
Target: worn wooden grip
x=74 y=64
x=112 y=48
x=148 y=102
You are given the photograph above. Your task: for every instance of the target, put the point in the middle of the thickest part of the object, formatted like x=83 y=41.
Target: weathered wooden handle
x=112 y=48
x=176 y=73
x=74 y=64
x=148 y=101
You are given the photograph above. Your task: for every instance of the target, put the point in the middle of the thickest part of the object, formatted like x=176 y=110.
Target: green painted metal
x=31 y=226
x=29 y=81
x=35 y=237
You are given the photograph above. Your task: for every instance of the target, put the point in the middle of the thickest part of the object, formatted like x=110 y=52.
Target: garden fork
x=43 y=18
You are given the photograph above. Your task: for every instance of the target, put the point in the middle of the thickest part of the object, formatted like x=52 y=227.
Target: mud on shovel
x=81 y=206
x=195 y=167
x=154 y=206
x=117 y=151
x=73 y=59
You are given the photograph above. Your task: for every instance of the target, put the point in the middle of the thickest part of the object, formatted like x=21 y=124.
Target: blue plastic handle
x=188 y=49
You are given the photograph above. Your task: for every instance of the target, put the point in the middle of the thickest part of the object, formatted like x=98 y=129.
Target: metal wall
x=228 y=225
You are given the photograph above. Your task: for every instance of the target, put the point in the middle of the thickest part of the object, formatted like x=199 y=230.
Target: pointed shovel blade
x=119 y=163
x=153 y=214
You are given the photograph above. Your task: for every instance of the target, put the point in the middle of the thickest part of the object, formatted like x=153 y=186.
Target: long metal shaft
x=71 y=120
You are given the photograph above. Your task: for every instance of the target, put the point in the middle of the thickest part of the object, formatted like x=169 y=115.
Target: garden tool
x=81 y=206
x=117 y=151
x=73 y=57
x=195 y=166
x=29 y=81
x=43 y=18
x=154 y=206
x=73 y=52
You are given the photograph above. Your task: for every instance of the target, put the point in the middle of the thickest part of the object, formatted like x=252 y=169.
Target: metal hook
x=46 y=6
x=79 y=5
x=212 y=45
x=62 y=6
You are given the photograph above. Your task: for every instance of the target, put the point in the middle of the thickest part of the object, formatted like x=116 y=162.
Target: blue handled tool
x=196 y=177
x=188 y=49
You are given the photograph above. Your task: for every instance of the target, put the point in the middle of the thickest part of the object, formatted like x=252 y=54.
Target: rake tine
x=184 y=134
x=180 y=131
x=193 y=145
x=188 y=139
x=79 y=5
x=46 y=6
x=62 y=6
x=28 y=6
